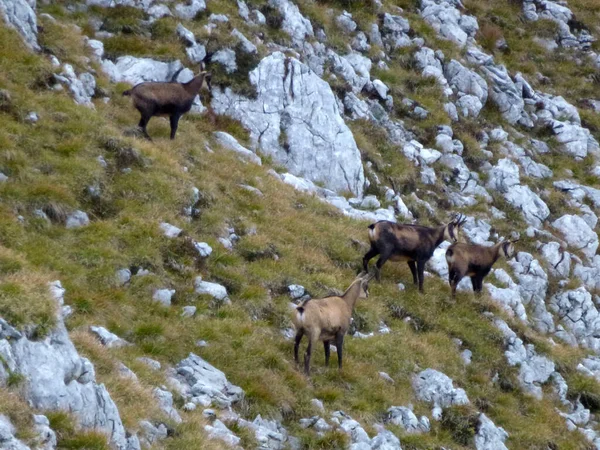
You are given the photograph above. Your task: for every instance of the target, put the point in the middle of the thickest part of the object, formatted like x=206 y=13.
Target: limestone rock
x=437 y=389
x=295 y=119
x=20 y=15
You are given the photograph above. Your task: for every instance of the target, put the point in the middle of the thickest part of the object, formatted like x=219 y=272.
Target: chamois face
x=451 y=232
x=508 y=249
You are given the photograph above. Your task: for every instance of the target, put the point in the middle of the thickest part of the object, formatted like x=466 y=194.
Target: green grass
x=299 y=240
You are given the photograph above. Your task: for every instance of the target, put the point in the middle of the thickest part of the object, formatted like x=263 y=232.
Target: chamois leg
x=143 y=123
x=307 y=356
x=174 y=119
x=413 y=269
x=372 y=253
x=326 y=345
x=297 y=340
x=420 y=270
x=477 y=282
x=380 y=262
x=339 y=344
x=454 y=282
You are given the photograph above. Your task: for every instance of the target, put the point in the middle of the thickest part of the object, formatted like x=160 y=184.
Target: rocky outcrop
x=579 y=316
x=202 y=384
x=489 y=436
x=436 y=388
x=448 y=21
x=57 y=378
x=295 y=120
x=20 y=15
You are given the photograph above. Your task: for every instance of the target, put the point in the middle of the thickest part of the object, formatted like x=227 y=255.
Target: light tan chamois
x=475 y=261
x=327 y=319
x=166 y=99
x=413 y=244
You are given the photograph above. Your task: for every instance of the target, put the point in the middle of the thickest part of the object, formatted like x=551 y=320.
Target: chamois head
x=452 y=229
x=507 y=248
x=363 y=278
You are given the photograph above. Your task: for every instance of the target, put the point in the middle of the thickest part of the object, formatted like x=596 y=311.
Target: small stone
x=188 y=311
x=123 y=276
x=384 y=376
x=189 y=406
x=32 y=117
x=163 y=296
x=77 y=219
x=204 y=250
x=201 y=344
x=296 y=291
x=170 y=231
x=152 y=363
x=317 y=404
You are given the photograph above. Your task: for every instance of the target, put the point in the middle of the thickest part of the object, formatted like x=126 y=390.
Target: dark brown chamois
x=474 y=261
x=166 y=99
x=411 y=243
x=327 y=319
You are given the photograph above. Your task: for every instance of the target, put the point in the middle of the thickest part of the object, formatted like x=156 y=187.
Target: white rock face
x=130 y=69
x=295 y=119
x=57 y=378
x=578 y=234
x=489 y=436
x=579 y=316
x=294 y=23
x=533 y=285
x=165 y=403
x=82 y=87
x=534 y=370
x=436 y=388
x=231 y=143
x=504 y=93
x=559 y=261
x=107 y=338
x=8 y=441
x=405 y=417
x=20 y=15
x=590 y=275
x=470 y=88
x=509 y=298
x=448 y=22
x=201 y=383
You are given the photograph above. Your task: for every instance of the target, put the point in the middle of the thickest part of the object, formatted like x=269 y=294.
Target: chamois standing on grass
x=327 y=319
x=411 y=243
x=475 y=261
x=171 y=99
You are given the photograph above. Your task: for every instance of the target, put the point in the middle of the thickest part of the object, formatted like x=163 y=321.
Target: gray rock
x=130 y=69
x=230 y=143
x=579 y=316
x=213 y=289
x=360 y=43
x=123 y=276
x=220 y=432
x=578 y=234
x=189 y=9
x=509 y=298
x=246 y=45
x=504 y=93
x=165 y=403
x=170 y=231
x=226 y=57
x=317 y=404
x=203 y=249
x=152 y=434
x=345 y=22
x=437 y=389
x=8 y=440
x=589 y=275
x=107 y=338
x=77 y=219
x=296 y=291
x=559 y=260
x=296 y=105
x=45 y=438
x=534 y=369
x=20 y=15
x=158 y=11
x=201 y=383
x=188 y=311
x=163 y=296
x=32 y=117
x=82 y=87
x=57 y=378
x=404 y=417
x=126 y=372
x=294 y=23
x=152 y=363
x=448 y=22
x=489 y=436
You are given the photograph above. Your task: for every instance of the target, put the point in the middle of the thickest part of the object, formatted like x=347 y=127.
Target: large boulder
x=446 y=19
x=134 y=70
x=578 y=234
x=437 y=389
x=56 y=377
x=20 y=15
x=579 y=316
x=295 y=119
x=294 y=23
x=489 y=436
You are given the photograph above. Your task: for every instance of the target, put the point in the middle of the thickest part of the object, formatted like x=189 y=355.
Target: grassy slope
x=51 y=163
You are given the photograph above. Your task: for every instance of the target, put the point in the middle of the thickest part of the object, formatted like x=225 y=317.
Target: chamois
x=166 y=99
x=474 y=261
x=327 y=319
x=411 y=243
